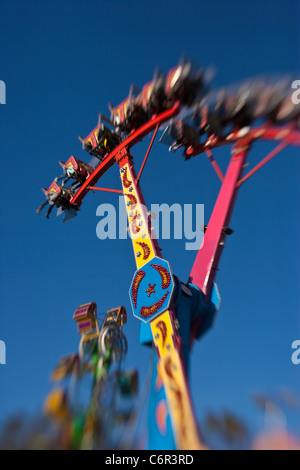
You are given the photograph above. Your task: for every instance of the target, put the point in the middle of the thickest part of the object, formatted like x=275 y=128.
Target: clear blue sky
x=63 y=62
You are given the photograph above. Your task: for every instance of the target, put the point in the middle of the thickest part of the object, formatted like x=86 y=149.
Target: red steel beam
x=207 y=260
x=265 y=160
x=215 y=165
x=94 y=188
x=265 y=133
x=131 y=140
x=147 y=153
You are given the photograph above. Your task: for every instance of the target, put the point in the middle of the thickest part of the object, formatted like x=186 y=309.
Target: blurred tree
x=227 y=428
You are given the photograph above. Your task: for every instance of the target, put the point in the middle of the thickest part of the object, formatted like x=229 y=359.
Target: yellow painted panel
x=175 y=383
x=143 y=246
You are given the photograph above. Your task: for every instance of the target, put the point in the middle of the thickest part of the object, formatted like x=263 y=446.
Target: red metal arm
x=94 y=188
x=207 y=260
x=147 y=153
x=291 y=135
x=265 y=160
x=131 y=140
x=208 y=257
x=215 y=164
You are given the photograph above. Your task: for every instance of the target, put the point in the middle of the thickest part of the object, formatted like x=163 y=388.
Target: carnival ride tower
x=174 y=313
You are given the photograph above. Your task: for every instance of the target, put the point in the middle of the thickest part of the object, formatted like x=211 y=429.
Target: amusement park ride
x=172 y=313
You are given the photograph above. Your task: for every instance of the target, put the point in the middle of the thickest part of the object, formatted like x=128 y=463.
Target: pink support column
x=207 y=260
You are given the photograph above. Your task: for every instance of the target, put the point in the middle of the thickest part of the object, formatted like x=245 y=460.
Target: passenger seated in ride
x=52 y=198
x=100 y=142
x=152 y=96
x=127 y=115
x=136 y=115
x=289 y=111
x=108 y=140
x=139 y=107
x=276 y=103
x=241 y=108
x=183 y=83
x=210 y=115
x=76 y=169
x=71 y=173
x=187 y=136
x=58 y=196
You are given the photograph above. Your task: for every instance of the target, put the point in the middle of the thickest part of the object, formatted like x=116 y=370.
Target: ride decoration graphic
x=151 y=289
